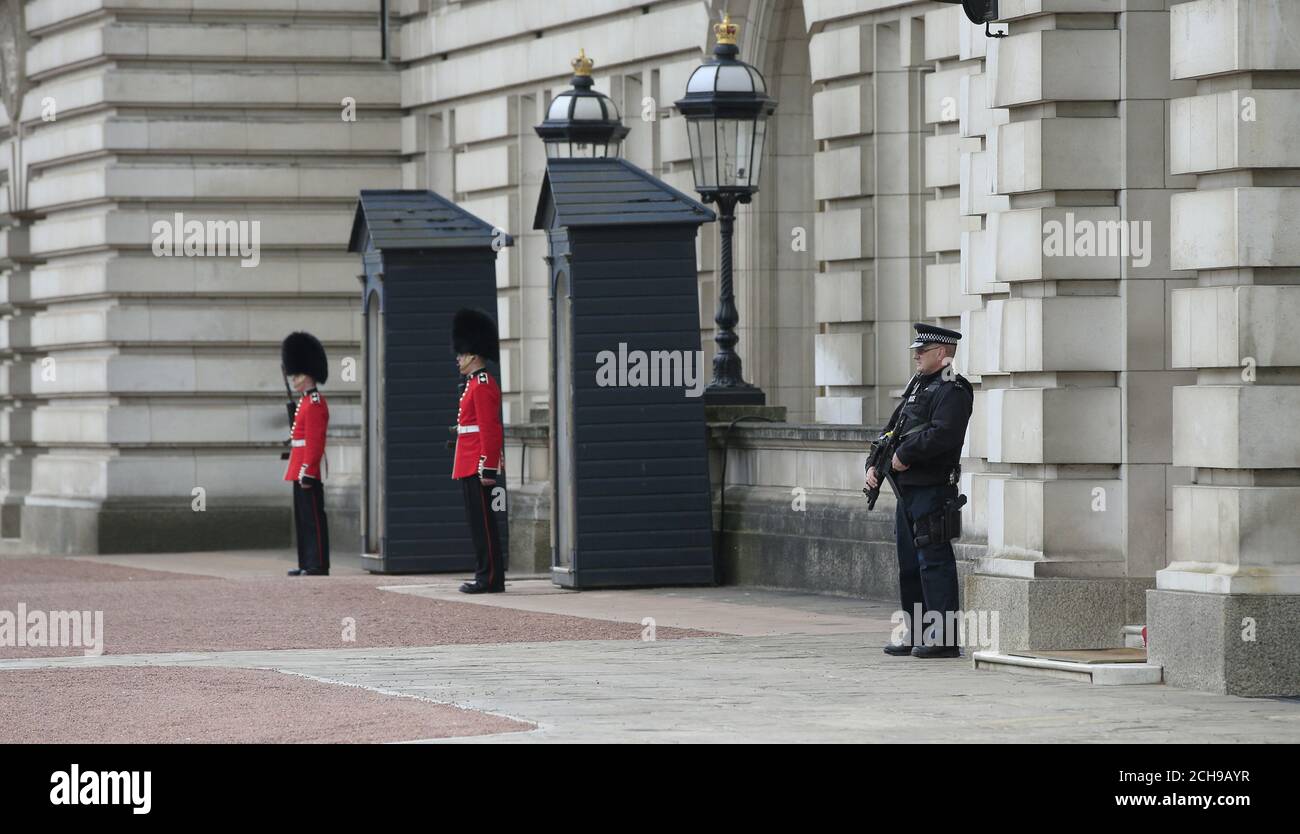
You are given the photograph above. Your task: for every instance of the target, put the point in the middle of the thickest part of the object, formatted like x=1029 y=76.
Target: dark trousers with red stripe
x=310 y=526
x=490 y=566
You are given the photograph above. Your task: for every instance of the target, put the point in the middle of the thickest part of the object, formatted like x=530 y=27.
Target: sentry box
x=630 y=500
x=424 y=258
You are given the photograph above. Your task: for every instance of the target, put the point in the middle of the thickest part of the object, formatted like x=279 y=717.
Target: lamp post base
x=743 y=394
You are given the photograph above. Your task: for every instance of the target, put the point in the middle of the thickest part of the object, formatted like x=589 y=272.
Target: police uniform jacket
x=943 y=406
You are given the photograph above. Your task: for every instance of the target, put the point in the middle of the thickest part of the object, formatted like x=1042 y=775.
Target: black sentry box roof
x=416 y=219
x=611 y=192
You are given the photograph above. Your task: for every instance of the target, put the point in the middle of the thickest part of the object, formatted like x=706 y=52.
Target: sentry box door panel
x=641 y=458
x=632 y=476
x=424 y=258
x=427 y=530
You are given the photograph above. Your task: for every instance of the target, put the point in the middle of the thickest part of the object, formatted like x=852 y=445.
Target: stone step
x=1099 y=673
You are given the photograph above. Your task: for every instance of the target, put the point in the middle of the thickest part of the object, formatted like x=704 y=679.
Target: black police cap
x=928 y=333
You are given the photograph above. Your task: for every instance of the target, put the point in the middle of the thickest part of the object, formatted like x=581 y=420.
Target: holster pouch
x=942 y=525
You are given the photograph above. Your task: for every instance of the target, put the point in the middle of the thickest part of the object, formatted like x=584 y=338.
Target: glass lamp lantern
x=582 y=122
x=726 y=108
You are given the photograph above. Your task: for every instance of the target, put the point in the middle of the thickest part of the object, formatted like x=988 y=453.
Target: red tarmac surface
x=151 y=611
x=148 y=611
x=129 y=705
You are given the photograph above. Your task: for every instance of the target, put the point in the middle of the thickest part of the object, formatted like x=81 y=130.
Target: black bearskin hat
x=474 y=331
x=302 y=353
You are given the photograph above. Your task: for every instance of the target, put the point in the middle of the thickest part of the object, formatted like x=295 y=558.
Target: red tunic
x=309 y=424
x=479 y=441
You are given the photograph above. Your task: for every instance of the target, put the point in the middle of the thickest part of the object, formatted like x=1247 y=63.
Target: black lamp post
x=726 y=108
x=582 y=122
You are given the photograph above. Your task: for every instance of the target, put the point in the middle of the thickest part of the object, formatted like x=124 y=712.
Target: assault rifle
x=290 y=405
x=882 y=451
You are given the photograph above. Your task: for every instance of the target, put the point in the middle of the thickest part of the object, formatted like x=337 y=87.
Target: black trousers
x=311 y=529
x=490 y=563
x=927 y=576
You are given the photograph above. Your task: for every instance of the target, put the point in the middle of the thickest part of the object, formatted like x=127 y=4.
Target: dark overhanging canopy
x=610 y=192
x=415 y=219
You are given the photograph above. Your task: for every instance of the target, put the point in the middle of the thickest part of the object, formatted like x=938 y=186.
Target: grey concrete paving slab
x=753 y=613
x=796 y=668
x=794 y=688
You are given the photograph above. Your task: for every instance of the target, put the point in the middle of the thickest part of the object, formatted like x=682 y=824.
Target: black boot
x=936 y=651
x=476 y=588
x=898 y=649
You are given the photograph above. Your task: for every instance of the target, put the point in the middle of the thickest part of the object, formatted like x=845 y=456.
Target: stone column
x=1225 y=615
x=901 y=201
x=844 y=244
x=868 y=180
x=1071 y=360
x=487 y=148
x=17 y=369
x=959 y=278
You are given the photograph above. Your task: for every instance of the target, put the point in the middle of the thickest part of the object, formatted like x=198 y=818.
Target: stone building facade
x=1103 y=202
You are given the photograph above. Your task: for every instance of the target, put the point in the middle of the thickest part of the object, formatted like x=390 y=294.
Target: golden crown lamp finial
x=582 y=64
x=726 y=31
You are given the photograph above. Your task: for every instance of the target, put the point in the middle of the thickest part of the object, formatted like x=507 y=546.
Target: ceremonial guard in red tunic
x=303 y=360
x=479 y=446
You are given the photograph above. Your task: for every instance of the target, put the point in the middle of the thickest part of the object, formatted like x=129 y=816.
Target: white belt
x=466 y=429
x=298 y=443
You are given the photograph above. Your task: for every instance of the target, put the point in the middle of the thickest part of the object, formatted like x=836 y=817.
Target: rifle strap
x=914 y=429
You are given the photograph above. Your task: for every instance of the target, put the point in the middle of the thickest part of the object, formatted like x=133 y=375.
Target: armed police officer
x=929 y=428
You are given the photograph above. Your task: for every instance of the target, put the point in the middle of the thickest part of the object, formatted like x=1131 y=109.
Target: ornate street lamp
x=726 y=108
x=582 y=122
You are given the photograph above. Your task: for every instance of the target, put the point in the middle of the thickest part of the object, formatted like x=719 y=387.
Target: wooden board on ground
x=1091 y=655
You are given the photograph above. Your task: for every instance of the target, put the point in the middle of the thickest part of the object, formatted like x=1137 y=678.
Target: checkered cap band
x=929 y=338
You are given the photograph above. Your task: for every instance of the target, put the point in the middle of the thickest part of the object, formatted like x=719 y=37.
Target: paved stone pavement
x=802 y=668
x=780 y=689
x=737 y=611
